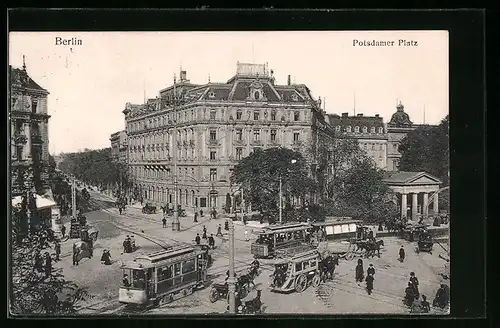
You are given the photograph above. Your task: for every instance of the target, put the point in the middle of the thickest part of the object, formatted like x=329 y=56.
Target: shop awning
x=41 y=202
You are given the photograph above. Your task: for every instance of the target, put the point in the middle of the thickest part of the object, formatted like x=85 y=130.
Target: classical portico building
x=422 y=189
x=203 y=130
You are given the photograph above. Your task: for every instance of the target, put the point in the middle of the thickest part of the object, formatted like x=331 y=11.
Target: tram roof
x=173 y=253
x=332 y=221
x=287 y=227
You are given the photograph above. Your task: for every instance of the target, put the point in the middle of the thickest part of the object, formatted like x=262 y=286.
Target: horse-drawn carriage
x=425 y=242
x=302 y=269
x=149 y=209
x=369 y=246
x=411 y=232
x=220 y=290
x=84 y=248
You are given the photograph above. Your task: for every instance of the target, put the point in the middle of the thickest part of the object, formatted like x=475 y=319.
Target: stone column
x=436 y=204
x=414 y=206
x=425 y=209
x=404 y=206
x=27 y=147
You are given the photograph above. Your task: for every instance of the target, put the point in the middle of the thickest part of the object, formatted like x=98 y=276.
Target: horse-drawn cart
x=425 y=242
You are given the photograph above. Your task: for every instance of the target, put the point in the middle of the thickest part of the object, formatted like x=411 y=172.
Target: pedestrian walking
x=371 y=270
x=48 y=265
x=201 y=213
x=106 y=257
x=132 y=243
x=197 y=239
x=164 y=222
x=401 y=254
x=211 y=241
x=369 y=283
x=246 y=236
x=226 y=225
x=219 y=231
x=409 y=294
x=76 y=253
x=195 y=217
x=426 y=307
x=204 y=236
x=63 y=230
x=414 y=282
x=57 y=249
x=360 y=272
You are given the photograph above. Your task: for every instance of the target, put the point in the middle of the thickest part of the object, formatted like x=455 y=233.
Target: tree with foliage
x=259 y=174
x=427 y=149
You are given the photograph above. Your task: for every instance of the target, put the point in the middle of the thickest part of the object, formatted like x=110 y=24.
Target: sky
x=90 y=84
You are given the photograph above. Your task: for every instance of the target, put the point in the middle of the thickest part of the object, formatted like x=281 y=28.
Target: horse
x=327 y=267
x=371 y=247
x=85 y=248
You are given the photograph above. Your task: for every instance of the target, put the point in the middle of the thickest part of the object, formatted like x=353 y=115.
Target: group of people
x=360 y=275
x=43 y=263
x=129 y=244
x=210 y=239
x=106 y=257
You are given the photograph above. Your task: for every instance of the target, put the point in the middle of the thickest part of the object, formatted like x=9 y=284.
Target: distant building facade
x=29 y=142
x=119 y=149
x=206 y=129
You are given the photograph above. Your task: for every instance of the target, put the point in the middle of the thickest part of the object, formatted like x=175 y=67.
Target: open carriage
x=425 y=242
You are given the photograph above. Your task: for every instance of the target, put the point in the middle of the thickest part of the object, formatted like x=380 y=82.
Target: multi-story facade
x=119 y=149
x=369 y=131
x=204 y=130
x=29 y=143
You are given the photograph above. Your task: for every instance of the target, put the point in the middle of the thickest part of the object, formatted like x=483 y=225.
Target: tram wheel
x=301 y=283
x=316 y=280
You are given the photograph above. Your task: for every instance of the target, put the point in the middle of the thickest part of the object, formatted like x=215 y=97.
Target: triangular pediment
x=424 y=178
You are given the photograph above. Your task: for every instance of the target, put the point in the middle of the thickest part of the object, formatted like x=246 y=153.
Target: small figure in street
x=226 y=225
x=38 y=262
x=246 y=236
x=360 y=272
x=219 y=231
x=106 y=257
x=164 y=222
x=426 y=307
x=204 y=236
x=63 y=230
x=195 y=217
x=76 y=252
x=201 y=213
x=414 y=282
x=120 y=209
x=126 y=283
x=211 y=241
x=197 y=239
x=371 y=270
x=132 y=243
x=442 y=297
x=127 y=245
x=369 y=283
x=214 y=214
x=409 y=295
x=401 y=254
x=57 y=249
x=48 y=265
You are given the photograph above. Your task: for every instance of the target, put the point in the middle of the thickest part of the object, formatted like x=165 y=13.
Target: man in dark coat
x=57 y=249
x=414 y=282
x=401 y=254
x=442 y=297
x=409 y=294
x=75 y=255
x=48 y=265
x=106 y=257
x=226 y=225
x=371 y=270
x=369 y=284
x=211 y=241
x=126 y=283
x=360 y=272
x=219 y=231
x=197 y=239
x=63 y=230
x=195 y=217
x=164 y=220
x=204 y=236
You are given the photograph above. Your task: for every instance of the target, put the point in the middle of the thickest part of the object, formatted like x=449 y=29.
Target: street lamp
x=293 y=161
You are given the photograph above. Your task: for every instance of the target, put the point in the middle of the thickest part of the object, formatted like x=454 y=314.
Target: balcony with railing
x=20 y=139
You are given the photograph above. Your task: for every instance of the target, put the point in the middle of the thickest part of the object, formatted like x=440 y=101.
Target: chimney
x=289 y=81
x=377 y=115
x=345 y=114
x=183 y=76
x=360 y=115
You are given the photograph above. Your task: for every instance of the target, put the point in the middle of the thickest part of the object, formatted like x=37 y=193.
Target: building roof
x=406 y=178
x=400 y=118
x=17 y=75
x=41 y=202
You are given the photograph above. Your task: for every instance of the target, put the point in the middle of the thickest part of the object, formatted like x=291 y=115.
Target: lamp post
x=293 y=161
x=231 y=280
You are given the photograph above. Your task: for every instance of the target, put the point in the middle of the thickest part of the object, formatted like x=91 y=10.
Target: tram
x=280 y=236
x=164 y=276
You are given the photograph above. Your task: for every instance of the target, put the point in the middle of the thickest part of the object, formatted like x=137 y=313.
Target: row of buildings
x=202 y=131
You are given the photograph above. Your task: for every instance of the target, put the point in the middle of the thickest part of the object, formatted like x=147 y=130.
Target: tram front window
x=139 y=279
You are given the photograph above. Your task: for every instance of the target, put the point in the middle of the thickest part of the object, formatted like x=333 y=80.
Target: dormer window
x=372 y=130
x=273 y=115
x=256 y=95
x=380 y=130
x=337 y=128
x=356 y=129
x=348 y=129
x=365 y=129
x=211 y=95
x=295 y=97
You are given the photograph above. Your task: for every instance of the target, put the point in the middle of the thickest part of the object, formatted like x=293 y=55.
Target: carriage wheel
x=214 y=295
x=301 y=283
x=316 y=280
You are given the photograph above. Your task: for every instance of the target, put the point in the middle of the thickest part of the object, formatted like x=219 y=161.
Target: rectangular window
x=239 y=153
x=298 y=267
x=238 y=115
x=256 y=135
x=255 y=116
x=213 y=174
x=177 y=269
x=273 y=135
x=296 y=136
x=273 y=116
x=164 y=273
x=296 y=116
x=239 y=134
x=213 y=135
x=212 y=114
x=188 y=266
x=212 y=155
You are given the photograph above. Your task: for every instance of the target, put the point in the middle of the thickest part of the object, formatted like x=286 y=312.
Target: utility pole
x=231 y=280
x=73 y=198
x=281 y=202
x=176 y=225
x=242 y=205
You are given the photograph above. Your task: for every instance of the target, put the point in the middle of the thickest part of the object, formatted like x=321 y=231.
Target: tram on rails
x=164 y=276
x=276 y=237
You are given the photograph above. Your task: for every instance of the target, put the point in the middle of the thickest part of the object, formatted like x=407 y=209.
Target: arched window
x=348 y=129
x=372 y=130
x=337 y=128
x=256 y=95
x=380 y=130
x=365 y=129
x=356 y=129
